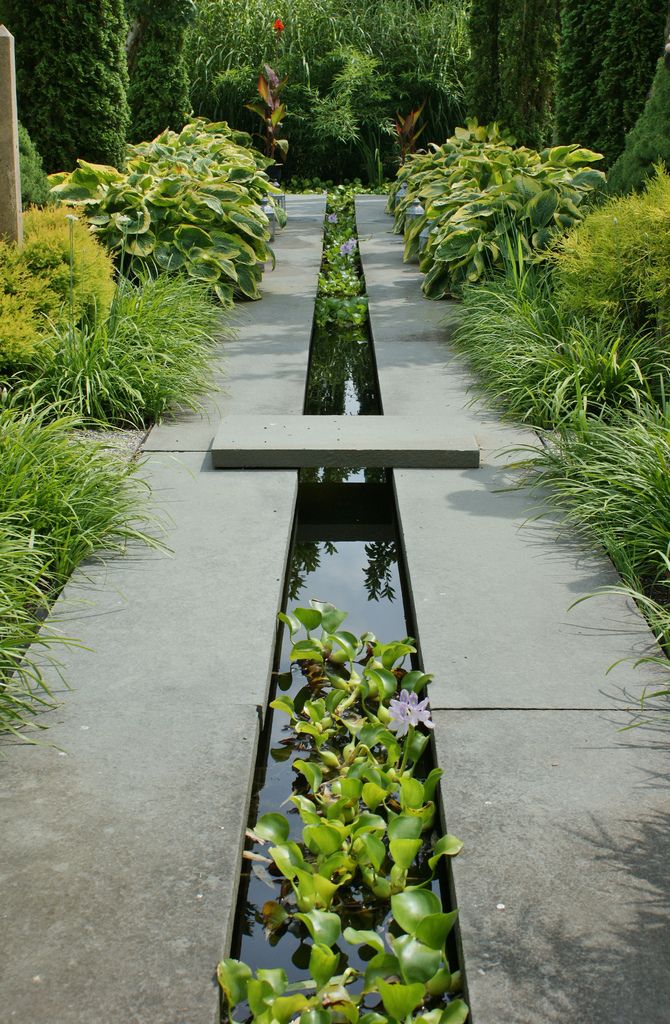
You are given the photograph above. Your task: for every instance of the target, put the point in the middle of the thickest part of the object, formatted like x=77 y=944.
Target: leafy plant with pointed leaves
x=408 y=131
x=271 y=111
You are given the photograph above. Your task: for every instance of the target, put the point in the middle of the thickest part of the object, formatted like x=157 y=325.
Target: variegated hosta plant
x=477 y=190
x=367 y=824
x=187 y=201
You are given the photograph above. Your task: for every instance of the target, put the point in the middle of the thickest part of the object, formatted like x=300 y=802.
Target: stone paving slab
x=120 y=850
x=492 y=601
x=565 y=822
x=264 y=369
x=418 y=370
x=120 y=842
x=302 y=441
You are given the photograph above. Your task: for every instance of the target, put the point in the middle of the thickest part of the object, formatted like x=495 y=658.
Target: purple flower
x=409 y=710
x=348 y=247
x=332 y=218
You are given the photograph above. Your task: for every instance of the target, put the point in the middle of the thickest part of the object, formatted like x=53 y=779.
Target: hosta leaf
x=542 y=207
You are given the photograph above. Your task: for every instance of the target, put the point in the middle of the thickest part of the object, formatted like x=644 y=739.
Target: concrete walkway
x=120 y=844
x=562 y=885
x=119 y=852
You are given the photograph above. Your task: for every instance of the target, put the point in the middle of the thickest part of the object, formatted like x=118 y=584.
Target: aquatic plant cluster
x=341 y=299
x=367 y=838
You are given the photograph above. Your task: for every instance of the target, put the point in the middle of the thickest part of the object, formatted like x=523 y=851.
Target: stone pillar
x=11 y=225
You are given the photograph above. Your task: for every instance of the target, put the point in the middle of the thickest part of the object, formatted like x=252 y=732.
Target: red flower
x=279 y=25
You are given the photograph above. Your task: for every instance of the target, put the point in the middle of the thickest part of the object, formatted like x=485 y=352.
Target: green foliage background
x=513 y=64
x=351 y=65
x=71 y=77
x=159 y=86
x=606 y=63
x=34 y=184
x=649 y=141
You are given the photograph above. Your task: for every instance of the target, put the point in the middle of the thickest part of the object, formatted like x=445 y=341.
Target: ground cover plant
x=476 y=190
x=62 y=500
x=350 y=67
x=367 y=818
x=187 y=202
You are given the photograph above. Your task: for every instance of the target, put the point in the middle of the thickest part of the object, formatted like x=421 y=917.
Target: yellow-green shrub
x=35 y=282
x=616 y=263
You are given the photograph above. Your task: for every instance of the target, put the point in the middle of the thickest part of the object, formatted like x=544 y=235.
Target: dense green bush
x=477 y=190
x=512 y=65
x=351 y=65
x=62 y=500
x=35 y=283
x=584 y=25
x=153 y=352
x=185 y=202
x=159 y=88
x=606 y=63
x=616 y=264
x=649 y=141
x=71 y=77
x=34 y=184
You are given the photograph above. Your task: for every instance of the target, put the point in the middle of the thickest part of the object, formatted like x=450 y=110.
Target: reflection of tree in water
x=341 y=365
x=382 y=555
x=340 y=474
x=306 y=560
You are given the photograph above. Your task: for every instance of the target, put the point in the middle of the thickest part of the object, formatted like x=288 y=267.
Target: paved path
x=119 y=860
x=562 y=886
x=120 y=851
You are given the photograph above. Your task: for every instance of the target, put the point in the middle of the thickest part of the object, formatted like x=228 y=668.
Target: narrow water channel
x=345 y=551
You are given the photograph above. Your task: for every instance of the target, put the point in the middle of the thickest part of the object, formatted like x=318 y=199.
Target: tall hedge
x=159 y=85
x=606 y=61
x=483 y=80
x=649 y=141
x=634 y=44
x=584 y=30
x=513 y=65
x=71 y=77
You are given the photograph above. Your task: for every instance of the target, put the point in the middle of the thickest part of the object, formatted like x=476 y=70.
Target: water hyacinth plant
x=367 y=819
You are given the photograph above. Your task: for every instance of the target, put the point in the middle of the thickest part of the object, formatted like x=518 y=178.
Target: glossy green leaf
x=291 y=621
x=370 y=849
x=400 y=1000
x=417 y=962
x=309 y=617
x=456 y=1013
x=404 y=826
x=306 y=650
x=323 y=963
x=430 y=783
x=316 y=1016
x=434 y=928
x=440 y=982
x=288 y=858
x=233 y=977
x=311 y=771
x=411 y=906
x=411 y=793
x=332 y=618
x=447 y=846
x=363 y=937
x=383 y=965
x=286 y=1007
x=273 y=827
x=322 y=839
x=404 y=851
x=373 y=795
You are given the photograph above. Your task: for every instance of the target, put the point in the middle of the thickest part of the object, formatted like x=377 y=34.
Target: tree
x=512 y=68
x=159 y=86
x=649 y=141
x=71 y=77
x=584 y=29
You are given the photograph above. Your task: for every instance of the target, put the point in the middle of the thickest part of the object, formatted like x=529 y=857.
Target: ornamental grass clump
x=152 y=353
x=188 y=202
x=62 y=501
x=367 y=818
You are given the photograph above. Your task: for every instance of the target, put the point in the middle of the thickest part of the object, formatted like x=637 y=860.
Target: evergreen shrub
x=649 y=141
x=71 y=77
x=34 y=184
x=616 y=263
x=35 y=283
x=158 y=93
